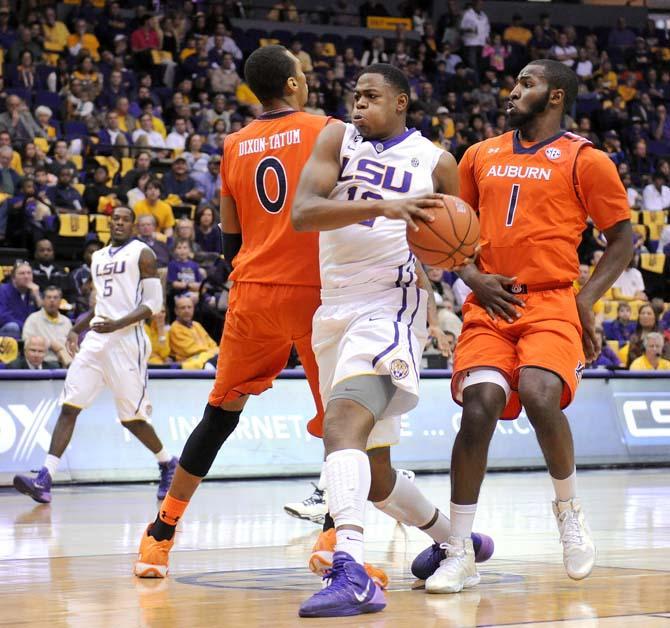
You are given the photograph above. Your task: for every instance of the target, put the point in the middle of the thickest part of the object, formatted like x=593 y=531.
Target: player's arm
x=152 y=296
x=434 y=329
x=314 y=211
x=445 y=175
x=604 y=196
x=72 y=340
x=231 y=230
x=488 y=289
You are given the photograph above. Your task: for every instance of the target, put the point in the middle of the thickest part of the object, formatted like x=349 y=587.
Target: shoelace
x=571 y=532
x=315 y=498
x=335 y=577
x=452 y=551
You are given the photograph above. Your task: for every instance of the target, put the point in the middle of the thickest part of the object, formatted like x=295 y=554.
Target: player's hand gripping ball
x=451 y=239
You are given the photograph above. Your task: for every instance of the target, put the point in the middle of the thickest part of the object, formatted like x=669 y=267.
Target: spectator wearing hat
x=179 y=182
x=612 y=146
x=656 y=195
x=210 y=181
x=19 y=298
x=49 y=323
x=34 y=352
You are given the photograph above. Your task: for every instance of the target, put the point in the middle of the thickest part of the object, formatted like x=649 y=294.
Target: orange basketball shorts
x=262 y=323
x=548 y=335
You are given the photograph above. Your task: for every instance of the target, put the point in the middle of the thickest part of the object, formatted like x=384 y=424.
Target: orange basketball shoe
x=321 y=559
x=152 y=561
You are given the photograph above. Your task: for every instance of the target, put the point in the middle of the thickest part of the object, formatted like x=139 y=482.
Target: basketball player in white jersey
x=114 y=352
x=362 y=187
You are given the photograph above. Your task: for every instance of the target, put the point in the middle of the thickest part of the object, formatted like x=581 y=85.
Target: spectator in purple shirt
x=607 y=359
x=19 y=298
x=184 y=275
x=622 y=327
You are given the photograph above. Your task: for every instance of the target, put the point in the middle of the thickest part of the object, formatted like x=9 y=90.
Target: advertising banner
x=613 y=421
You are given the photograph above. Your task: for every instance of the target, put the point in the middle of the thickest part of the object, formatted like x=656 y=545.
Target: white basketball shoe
x=457 y=571
x=579 y=552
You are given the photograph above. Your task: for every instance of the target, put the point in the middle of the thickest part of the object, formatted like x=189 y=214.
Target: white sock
x=408 y=504
x=566 y=489
x=348 y=480
x=462 y=519
x=351 y=542
x=163 y=456
x=51 y=463
x=321 y=485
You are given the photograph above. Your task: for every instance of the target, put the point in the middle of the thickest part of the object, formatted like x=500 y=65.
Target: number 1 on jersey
x=513 y=201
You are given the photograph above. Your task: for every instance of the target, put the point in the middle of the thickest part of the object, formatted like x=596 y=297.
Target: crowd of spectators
x=106 y=103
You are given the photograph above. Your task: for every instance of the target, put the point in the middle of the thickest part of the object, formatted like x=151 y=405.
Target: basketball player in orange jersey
x=275 y=275
x=526 y=336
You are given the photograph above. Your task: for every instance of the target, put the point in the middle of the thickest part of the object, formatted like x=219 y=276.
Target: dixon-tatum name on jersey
x=273 y=142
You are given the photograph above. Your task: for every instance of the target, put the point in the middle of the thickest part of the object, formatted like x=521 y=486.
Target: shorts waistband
x=350 y=293
x=525 y=288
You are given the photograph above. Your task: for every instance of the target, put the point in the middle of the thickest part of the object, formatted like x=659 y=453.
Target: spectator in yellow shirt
x=190 y=344
x=55 y=32
x=160 y=347
x=157 y=208
x=517 y=33
x=81 y=39
x=651 y=359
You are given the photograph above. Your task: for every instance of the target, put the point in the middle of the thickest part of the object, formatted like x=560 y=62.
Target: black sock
x=328 y=523
x=161 y=531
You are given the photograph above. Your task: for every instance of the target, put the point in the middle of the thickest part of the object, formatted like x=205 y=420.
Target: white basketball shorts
x=381 y=333
x=118 y=361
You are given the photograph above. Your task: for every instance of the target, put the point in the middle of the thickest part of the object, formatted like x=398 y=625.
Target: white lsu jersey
x=374 y=255
x=116 y=279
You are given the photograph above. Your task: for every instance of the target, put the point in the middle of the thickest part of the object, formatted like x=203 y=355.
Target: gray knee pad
x=373 y=392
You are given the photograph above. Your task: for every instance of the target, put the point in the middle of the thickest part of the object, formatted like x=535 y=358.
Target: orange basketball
x=450 y=239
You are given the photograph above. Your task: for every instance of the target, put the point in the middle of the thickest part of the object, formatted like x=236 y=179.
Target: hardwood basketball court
x=240 y=561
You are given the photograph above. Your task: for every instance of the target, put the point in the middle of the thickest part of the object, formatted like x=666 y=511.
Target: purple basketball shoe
x=350 y=592
x=167 y=470
x=425 y=564
x=39 y=488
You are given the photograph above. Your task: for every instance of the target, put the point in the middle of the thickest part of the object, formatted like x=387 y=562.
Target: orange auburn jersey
x=260 y=170
x=533 y=203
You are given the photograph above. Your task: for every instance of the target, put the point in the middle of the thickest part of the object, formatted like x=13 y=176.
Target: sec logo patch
x=553 y=153
x=399 y=369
